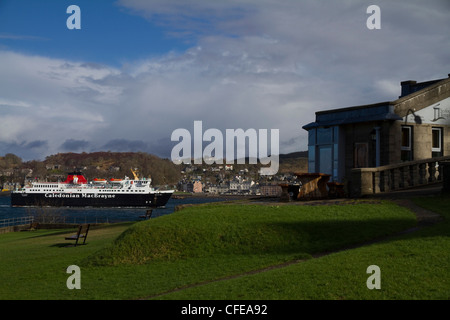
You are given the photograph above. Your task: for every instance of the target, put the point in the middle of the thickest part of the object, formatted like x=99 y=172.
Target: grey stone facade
x=414 y=127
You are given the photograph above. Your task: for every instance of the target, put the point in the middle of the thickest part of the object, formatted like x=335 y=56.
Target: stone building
x=197 y=187
x=416 y=126
x=270 y=189
x=191 y=186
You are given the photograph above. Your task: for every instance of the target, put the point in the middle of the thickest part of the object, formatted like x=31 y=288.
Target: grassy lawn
x=205 y=243
x=412 y=266
x=33 y=264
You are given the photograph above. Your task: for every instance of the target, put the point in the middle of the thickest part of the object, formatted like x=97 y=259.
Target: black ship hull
x=148 y=200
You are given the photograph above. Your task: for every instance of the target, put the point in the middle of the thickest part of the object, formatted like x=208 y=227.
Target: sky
x=137 y=70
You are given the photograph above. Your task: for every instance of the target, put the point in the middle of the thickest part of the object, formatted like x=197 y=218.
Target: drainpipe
x=377 y=146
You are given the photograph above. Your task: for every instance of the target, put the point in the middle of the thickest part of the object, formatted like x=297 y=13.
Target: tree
x=12 y=161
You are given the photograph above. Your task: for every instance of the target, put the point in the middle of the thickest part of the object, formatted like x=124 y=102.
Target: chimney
x=407 y=87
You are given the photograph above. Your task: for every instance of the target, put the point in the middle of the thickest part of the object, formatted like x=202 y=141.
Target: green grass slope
x=228 y=251
x=284 y=232
x=413 y=266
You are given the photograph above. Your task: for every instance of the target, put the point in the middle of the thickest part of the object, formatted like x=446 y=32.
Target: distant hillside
x=294 y=162
x=116 y=164
x=298 y=154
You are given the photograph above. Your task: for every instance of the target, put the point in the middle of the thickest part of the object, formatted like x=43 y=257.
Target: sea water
x=93 y=215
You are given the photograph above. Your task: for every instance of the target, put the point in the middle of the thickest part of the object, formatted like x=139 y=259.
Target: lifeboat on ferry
x=115 y=180
x=96 y=180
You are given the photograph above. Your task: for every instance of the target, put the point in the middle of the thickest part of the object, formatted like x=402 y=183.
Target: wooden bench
x=82 y=233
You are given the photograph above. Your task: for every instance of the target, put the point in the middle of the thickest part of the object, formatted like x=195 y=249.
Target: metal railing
x=16 y=221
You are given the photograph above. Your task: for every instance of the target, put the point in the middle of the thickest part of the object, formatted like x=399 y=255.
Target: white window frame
x=409 y=147
x=439 y=149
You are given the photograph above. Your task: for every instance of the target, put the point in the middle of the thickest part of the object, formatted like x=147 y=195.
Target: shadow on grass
x=66 y=245
x=314 y=237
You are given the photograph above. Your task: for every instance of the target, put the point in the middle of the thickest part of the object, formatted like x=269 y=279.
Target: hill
x=93 y=165
x=116 y=164
x=294 y=162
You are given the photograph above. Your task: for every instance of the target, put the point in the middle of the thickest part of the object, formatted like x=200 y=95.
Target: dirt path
x=424 y=216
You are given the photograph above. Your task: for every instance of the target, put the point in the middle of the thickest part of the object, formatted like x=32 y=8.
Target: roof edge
x=372 y=105
x=421 y=91
x=392 y=102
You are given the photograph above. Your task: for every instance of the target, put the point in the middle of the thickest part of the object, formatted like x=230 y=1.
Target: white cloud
x=58 y=99
x=268 y=65
x=388 y=87
x=13 y=103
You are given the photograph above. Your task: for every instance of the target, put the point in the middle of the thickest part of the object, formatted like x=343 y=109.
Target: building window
x=406 y=149
x=437 y=113
x=436 y=142
x=312 y=150
x=323 y=151
x=325 y=135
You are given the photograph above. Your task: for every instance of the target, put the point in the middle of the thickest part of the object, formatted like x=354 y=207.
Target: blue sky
x=140 y=69
x=110 y=34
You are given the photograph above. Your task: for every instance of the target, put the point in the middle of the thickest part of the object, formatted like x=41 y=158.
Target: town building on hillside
x=9 y=186
x=191 y=186
x=240 y=185
x=197 y=187
x=416 y=126
x=270 y=189
x=221 y=188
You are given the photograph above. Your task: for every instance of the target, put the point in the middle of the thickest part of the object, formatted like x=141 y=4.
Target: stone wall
x=367 y=181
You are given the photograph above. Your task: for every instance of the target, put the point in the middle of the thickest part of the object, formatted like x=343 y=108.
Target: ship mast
x=134 y=174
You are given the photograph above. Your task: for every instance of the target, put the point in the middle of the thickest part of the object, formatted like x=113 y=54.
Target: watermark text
x=235 y=145
x=74 y=281
x=374 y=281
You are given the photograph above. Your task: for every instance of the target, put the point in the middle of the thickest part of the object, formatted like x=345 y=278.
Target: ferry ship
x=76 y=191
